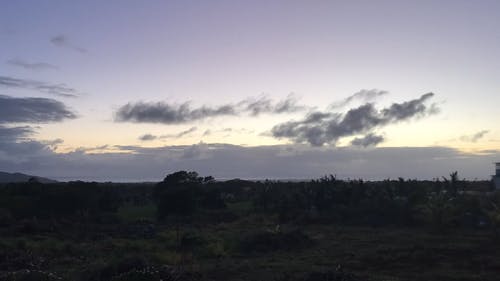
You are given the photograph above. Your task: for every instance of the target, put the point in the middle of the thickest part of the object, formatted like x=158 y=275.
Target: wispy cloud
x=363 y=96
x=180 y=134
x=31 y=65
x=257 y=106
x=227 y=131
x=319 y=128
x=12 y=134
x=150 y=137
x=61 y=90
x=474 y=137
x=64 y=42
x=33 y=110
x=166 y=113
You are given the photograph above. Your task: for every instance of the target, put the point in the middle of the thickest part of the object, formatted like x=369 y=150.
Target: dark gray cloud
x=474 y=137
x=147 y=137
x=368 y=140
x=410 y=109
x=22 y=151
x=12 y=134
x=63 y=41
x=31 y=65
x=17 y=146
x=319 y=128
x=165 y=113
x=168 y=114
x=363 y=96
x=32 y=110
x=61 y=90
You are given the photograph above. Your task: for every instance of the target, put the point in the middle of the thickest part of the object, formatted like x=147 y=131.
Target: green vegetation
x=193 y=228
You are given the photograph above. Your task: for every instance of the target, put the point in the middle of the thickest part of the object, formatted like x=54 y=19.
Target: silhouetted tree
x=180 y=194
x=176 y=194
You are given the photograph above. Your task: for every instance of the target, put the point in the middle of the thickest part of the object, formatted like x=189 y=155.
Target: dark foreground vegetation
x=193 y=228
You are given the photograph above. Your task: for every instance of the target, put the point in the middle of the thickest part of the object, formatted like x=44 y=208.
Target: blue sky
x=119 y=79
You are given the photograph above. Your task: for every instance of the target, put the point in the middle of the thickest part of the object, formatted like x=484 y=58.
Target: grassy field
x=318 y=231
x=218 y=252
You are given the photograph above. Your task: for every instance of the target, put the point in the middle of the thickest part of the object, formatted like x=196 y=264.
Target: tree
x=452 y=183
x=176 y=194
x=183 y=177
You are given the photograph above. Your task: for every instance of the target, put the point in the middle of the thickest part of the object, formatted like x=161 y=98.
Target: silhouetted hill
x=18 y=177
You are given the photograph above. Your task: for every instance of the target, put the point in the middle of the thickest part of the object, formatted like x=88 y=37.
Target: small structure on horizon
x=496 y=177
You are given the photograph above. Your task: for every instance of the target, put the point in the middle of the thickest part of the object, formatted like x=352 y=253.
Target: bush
x=268 y=241
x=191 y=241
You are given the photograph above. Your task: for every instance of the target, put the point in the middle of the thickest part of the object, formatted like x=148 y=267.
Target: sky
x=133 y=90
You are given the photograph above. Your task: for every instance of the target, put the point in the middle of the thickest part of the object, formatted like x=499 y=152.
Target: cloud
x=12 y=134
x=147 y=137
x=363 y=96
x=168 y=114
x=409 y=109
x=319 y=128
x=53 y=144
x=225 y=132
x=475 y=137
x=150 y=137
x=18 y=148
x=165 y=113
x=64 y=42
x=61 y=90
x=368 y=140
x=33 y=110
x=31 y=65
x=257 y=106
x=94 y=149
x=224 y=161
x=181 y=134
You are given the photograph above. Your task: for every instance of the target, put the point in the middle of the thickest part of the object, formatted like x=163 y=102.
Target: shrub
x=268 y=241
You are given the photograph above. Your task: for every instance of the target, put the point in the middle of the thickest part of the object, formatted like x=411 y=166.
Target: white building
x=496 y=177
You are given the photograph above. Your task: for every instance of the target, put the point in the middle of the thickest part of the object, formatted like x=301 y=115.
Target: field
x=240 y=230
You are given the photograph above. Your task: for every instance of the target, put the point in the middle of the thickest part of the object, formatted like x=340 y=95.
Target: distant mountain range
x=18 y=177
